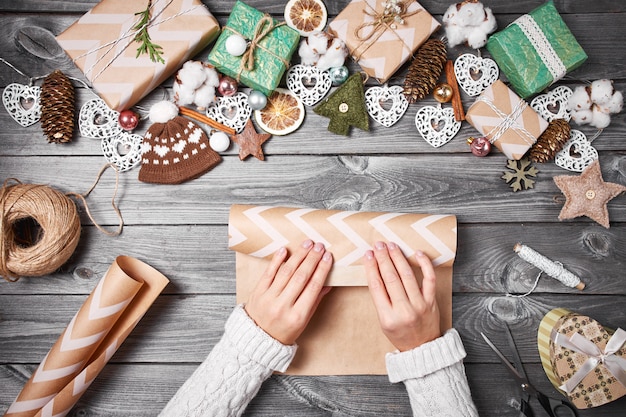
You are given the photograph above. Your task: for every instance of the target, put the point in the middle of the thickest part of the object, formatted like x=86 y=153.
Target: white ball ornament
x=219 y=141
x=257 y=100
x=236 y=45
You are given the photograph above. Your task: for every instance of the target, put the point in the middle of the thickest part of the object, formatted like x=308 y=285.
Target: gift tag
x=22 y=103
x=577 y=153
x=553 y=105
x=96 y=120
x=122 y=150
x=475 y=73
x=385 y=104
x=233 y=111
x=436 y=125
x=309 y=83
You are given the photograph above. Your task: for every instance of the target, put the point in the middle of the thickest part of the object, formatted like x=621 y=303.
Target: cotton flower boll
x=476 y=39
x=579 y=100
x=455 y=35
x=599 y=118
x=616 y=103
x=470 y=14
x=334 y=57
x=601 y=91
x=307 y=55
x=450 y=15
x=319 y=42
x=204 y=96
x=582 y=117
x=183 y=94
x=163 y=111
x=468 y=22
x=212 y=77
x=191 y=74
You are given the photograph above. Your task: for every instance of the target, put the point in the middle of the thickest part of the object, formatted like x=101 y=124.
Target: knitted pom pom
x=163 y=111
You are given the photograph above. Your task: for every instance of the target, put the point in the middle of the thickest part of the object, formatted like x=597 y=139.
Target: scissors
x=553 y=406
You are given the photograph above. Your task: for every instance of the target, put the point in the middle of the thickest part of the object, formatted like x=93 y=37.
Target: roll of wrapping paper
x=343 y=337
x=103 y=322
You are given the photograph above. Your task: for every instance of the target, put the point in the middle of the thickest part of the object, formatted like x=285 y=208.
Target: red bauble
x=480 y=146
x=128 y=120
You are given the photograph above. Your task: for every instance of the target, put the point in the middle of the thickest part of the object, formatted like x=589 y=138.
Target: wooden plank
x=485 y=263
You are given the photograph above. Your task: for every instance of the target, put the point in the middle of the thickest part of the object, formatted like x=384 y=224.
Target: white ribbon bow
x=578 y=343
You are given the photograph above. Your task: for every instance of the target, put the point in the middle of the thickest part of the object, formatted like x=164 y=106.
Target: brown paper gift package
x=101 y=44
x=344 y=336
x=381 y=48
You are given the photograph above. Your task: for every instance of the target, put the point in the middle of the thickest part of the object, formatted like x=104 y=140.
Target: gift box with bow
x=536 y=50
x=270 y=47
x=506 y=120
x=381 y=36
x=583 y=359
x=102 y=44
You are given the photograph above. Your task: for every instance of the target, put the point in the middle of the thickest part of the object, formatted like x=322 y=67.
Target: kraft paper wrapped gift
x=344 y=335
x=536 y=50
x=103 y=322
x=506 y=120
x=381 y=46
x=275 y=44
x=101 y=43
x=583 y=359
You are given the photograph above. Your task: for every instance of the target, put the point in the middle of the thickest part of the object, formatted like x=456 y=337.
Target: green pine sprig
x=143 y=37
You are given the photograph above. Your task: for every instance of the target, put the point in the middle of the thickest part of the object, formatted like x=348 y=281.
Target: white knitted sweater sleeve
x=232 y=374
x=434 y=377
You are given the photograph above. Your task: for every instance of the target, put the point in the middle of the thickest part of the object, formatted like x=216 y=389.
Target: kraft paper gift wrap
x=106 y=318
x=380 y=46
x=583 y=359
x=506 y=120
x=101 y=43
x=536 y=50
x=272 y=53
x=344 y=335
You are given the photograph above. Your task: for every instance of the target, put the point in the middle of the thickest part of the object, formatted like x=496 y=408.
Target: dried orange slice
x=283 y=113
x=306 y=16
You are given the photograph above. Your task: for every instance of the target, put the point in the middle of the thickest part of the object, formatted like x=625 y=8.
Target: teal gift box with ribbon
x=536 y=50
x=270 y=47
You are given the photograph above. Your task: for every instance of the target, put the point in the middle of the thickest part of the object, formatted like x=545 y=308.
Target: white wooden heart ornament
x=22 y=103
x=123 y=150
x=309 y=83
x=96 y=120
x=376 y=97
x=553 y=104
x=577 y=153
x=436 y=125
x=233 y=111
x=474 y=73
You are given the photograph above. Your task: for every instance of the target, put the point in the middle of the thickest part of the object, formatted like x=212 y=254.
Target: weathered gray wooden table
x=181 y=230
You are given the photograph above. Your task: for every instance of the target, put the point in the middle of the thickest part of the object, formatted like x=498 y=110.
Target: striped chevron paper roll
x=344 y=336
x=95 y=333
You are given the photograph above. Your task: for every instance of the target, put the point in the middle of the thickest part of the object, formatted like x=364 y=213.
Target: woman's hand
x=290 y=290
x=408 y=314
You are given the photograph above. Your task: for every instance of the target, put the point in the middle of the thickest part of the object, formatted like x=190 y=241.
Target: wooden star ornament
x=250 y=142
x=587 y=194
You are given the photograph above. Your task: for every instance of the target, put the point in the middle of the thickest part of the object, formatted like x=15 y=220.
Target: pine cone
x=425 y=70
x=57 y=108
x=551 y=141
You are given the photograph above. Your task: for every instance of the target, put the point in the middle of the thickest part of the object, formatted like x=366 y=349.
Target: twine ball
x=56 y=219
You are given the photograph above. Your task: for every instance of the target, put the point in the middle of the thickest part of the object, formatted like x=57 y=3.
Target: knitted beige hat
x=174 y=149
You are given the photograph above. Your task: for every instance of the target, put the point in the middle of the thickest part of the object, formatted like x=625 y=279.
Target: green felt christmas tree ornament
x=346 y=107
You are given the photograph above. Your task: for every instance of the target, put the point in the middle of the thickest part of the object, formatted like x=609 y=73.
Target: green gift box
x=536 y=50
x=271 y=44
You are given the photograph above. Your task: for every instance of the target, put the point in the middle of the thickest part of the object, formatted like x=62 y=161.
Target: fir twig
x=143 y=37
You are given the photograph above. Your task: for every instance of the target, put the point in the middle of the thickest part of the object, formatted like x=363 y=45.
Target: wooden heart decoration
x=233 y=111
x=475 y=73
x=376 y=97
x=436 y=125
x=577 y=153
x=309 y=83
x=96 y=120
x=123 y=150
x=553 y=104
x=22 y=103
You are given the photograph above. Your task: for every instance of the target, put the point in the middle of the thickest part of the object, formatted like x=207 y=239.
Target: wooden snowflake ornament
x=519 y=177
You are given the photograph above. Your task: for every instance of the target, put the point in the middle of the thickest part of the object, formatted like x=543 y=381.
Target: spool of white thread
x=554 y=269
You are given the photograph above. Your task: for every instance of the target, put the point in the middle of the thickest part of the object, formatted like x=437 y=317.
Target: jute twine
x=57 y=221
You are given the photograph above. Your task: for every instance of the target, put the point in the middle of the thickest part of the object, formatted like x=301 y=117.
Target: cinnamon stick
x=457 y=104
x=206 y=120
